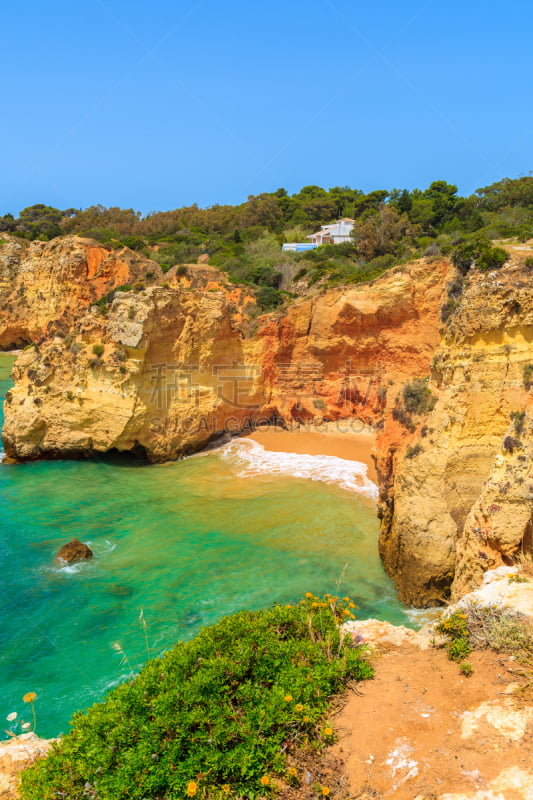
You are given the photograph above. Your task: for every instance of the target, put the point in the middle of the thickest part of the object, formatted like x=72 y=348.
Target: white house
x=334 y=233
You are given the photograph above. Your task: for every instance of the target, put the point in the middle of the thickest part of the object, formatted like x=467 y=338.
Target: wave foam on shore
x=252 y=459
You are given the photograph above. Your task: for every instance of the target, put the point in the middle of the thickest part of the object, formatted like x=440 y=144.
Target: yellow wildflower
x=292 y=772
x=346 y=599
x=226 y=788
x=306 y=719
x=326 y=791
x=308 y=595
x=299 y=707
x=314 y=605
x=192 y=788
x=265 y=780
x=288 y=698
x=29 y=697
x=328 y=731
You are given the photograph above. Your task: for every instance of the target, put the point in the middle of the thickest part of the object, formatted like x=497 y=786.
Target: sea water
x=176 y=547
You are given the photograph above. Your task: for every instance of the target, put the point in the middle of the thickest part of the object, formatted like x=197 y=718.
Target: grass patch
x=214 y=717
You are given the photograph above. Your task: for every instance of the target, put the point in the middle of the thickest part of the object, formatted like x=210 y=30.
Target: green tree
x=39 y=222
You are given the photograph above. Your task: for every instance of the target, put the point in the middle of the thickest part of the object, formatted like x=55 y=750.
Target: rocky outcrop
x=171 y=367
x=160 y=375
x=457 y=496
x=74 y=551
x=45 y=286
x=16 y=755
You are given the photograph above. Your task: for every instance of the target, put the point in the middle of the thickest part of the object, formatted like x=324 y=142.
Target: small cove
x=186 y=543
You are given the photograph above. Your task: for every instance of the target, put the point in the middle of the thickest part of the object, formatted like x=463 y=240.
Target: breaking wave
x=251 y=459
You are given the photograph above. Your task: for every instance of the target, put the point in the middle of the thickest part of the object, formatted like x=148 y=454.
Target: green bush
x=492 y=258
x=220 y=710
x=518 y=419
x=417 y=398
x=98 y=350
x=455 y=627
x=480 y=252
x=267 y=297
x=527 y=374
x=411 y=452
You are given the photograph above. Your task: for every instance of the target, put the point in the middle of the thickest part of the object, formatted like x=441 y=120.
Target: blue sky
x=161 y=104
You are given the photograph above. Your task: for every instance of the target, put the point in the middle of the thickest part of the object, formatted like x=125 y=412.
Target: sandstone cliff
x=459 y=501
x=171 y=367
x=44 y=286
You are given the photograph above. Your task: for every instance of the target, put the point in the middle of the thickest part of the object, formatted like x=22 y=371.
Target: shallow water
x=185 y=543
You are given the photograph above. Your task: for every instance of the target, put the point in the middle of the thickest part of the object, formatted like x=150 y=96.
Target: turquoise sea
x=184 y=544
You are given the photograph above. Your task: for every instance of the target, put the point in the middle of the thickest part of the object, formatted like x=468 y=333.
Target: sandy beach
x=344 y=439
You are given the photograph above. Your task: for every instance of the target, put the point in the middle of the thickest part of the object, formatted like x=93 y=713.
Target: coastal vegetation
x=390 y=227
x=478 y=627
x=216 y=717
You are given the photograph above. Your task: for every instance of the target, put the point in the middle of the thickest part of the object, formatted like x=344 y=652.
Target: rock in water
x=74 y=551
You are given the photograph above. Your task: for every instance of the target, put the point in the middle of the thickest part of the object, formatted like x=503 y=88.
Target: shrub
x=518 y=418
x=417 y=398
x=528 y=262
x=399 y=414
x=182 y=270
x=133 y=242
x=464 y=256
x=510 y=444
x=98 y=350
x=479 y=252
x=526 y=375
x=492 y=258
x=488 y=627
x=268 y=297
x=447 y=309
x=414 y=451
x=222 y=709
x=455 y=627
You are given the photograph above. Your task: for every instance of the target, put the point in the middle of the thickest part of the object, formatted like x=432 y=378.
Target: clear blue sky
x=153 y=105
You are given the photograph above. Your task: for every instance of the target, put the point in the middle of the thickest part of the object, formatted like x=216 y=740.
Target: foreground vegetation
x=391 y=226
x=215 y=717
x=477 y=627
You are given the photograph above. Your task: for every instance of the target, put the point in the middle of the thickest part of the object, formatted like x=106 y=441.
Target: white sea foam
x=252 y=459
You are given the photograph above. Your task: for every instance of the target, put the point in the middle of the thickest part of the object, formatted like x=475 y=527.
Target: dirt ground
x=421 y=730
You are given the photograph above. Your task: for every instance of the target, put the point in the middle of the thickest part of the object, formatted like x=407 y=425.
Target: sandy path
x=420 y=729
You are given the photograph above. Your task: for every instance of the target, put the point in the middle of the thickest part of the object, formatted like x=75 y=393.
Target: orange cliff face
x=45 y=286
x=171 y=367
x=341 y=353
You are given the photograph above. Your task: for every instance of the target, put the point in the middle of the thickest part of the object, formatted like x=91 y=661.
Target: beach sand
x=344 y=439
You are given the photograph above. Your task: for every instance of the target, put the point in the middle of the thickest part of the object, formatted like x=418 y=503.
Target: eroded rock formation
x=44 y=286
x=171 y=367
x=459 y=499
